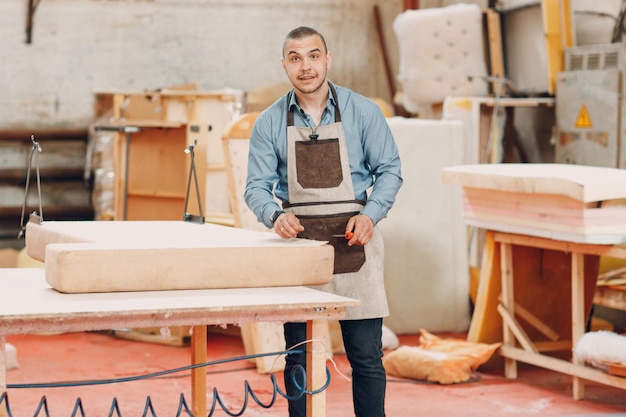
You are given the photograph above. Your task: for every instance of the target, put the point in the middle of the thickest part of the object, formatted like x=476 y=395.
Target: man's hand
x=362 y=228
x=287 y=225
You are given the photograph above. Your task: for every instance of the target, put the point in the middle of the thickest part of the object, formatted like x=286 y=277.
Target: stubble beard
x=311 y=89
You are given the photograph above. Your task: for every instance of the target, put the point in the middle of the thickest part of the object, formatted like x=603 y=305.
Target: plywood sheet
x=25 y=299
x=167 y=255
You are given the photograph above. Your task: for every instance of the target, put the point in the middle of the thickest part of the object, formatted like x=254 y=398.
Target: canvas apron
x=321 y=194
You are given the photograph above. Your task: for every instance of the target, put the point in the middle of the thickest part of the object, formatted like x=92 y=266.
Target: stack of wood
x=573 y=203
x=65 y=193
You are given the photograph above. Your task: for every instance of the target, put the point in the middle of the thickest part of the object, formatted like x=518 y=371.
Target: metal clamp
x=187 y=217
x=35 y=150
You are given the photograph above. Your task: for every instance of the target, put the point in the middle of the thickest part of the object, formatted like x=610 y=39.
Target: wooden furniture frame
x=29 y=305
x=151 y=168
x=512 y=331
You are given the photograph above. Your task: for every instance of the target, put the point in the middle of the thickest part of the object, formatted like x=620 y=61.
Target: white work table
x=29 y=305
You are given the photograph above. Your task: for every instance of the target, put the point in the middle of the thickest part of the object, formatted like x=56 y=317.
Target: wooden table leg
x=3 y=374
x=508 y=301
x=315 y=368
x=198 y=375
x=578 y=315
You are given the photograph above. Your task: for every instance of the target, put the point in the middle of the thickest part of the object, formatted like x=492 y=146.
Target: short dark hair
x=303 y=32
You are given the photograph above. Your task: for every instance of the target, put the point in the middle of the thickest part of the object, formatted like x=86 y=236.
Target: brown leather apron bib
x=321 y=193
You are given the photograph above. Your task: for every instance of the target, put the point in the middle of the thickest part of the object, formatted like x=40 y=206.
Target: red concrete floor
x=98 y=356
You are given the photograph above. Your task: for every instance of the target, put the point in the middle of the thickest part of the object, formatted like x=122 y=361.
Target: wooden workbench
x=29 y=305
x=546 y=227
x=513 y=332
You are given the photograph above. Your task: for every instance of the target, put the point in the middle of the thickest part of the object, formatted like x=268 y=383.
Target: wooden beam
x=198 y=375
x=534 y=321
x=494 y=42
x=558 y=36
x=514 y=326
x=610 y=296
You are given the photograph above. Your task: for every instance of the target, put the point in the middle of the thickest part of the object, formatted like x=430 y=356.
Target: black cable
x=145 y=376
x=298 y=378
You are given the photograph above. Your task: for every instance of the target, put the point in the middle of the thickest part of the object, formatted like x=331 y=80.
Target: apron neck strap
x=290 y=112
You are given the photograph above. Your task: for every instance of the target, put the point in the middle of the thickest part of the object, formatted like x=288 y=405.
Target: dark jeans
x=363 y=342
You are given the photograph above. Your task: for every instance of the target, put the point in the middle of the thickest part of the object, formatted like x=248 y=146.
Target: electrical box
x=589 y=106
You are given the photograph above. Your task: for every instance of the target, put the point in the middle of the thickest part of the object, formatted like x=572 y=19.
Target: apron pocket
x=347 y=258
x=318 y=163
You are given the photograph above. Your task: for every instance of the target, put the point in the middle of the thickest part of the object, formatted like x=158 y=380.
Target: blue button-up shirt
x=372 y=151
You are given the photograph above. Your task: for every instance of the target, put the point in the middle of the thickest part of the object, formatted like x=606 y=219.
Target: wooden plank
x=558 y=36
x=564 y=367
x=611 y=296
x=531 y=319
x=485 y=326
x=616 y=369
x=618 y=251
x=494 y=42
x=516 y=329
x=29 y=305
x=510 y=328
x=198 y=375
x=579 y=315
x=560 y=346
x=316 y=373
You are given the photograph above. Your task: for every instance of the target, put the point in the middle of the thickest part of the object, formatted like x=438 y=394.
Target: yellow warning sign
x=583 y=120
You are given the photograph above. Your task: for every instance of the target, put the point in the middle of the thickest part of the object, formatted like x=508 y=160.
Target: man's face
x=306 y=63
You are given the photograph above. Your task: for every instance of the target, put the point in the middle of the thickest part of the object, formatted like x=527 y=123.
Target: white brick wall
x=82 y=46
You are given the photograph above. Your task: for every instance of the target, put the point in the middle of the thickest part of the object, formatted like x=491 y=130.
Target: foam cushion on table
x=573 y=203
x=439 y=48
x=167 y=255
x=579 y=182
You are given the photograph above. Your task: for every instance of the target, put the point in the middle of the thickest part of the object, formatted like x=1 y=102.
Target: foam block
x=169 y=255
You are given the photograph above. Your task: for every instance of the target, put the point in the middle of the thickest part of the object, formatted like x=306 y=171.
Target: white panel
x=426 y=261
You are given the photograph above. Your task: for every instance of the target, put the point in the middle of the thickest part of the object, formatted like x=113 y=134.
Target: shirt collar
x=332 y=100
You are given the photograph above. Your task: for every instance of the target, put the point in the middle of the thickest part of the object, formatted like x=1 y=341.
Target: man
x=318 y=149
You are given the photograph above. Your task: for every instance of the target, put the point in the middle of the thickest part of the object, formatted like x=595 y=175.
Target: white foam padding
x=598 y=348
x=102 y=256
x=439 y=48
x=426 y=264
